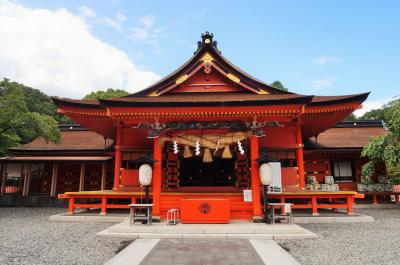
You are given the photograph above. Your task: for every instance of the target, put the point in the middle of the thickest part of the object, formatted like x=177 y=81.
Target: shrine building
x=204 y=129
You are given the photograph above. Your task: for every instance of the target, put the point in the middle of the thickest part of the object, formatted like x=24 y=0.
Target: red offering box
x=205 y=211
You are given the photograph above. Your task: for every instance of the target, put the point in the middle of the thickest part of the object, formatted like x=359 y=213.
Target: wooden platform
x=239 y=210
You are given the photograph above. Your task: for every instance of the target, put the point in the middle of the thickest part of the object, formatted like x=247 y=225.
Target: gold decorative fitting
x=262 y=92
x=207 y=58
x=233 y=77
x=154 y=94
x=181 y=79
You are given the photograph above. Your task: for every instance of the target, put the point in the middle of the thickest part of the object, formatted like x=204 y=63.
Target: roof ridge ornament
x=207 y=39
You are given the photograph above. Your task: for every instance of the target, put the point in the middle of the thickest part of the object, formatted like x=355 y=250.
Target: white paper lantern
x=266 y=174
x=145 y=174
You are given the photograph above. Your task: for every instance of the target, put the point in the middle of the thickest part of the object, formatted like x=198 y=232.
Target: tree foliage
x=109 y=93
x=25 y=114
x=277 y=84
x=386 y=148
x=351 y=117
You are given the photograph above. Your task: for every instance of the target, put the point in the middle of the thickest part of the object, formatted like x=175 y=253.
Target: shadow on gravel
x=123 y=245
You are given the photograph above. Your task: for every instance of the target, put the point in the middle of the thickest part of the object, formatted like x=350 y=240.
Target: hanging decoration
x=211 y=141
x=240 y=147
x=197 y=146
x=207 y=157
x=176 y=147
x=226 y=154
x=186 y=152
x=216 y=148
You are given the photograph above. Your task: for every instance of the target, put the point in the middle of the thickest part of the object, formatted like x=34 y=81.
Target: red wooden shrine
x=207 y=97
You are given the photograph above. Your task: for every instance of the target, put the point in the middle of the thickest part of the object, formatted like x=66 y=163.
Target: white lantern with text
x=145 y=174
x=266 y=174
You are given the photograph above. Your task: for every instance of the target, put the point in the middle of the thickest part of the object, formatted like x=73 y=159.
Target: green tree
x=386 y=148
x=277 y=84
x=375 y=114
x=22 y=118
x=351 y=117
x=109 y=93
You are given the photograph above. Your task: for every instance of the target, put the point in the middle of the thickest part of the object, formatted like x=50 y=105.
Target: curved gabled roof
x=208 y=46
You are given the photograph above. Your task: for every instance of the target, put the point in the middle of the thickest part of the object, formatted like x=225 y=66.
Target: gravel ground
x=28 y=237
x=357 y=243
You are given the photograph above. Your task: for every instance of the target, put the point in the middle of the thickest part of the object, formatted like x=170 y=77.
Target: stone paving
x=196 y=252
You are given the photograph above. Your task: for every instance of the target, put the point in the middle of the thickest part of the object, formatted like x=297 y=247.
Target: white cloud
x=325 y=60
x=148 y=21
x=55 y=52
x=146 y=31
x=318 y=84
x=116 y=22
x=140 y=33
x=86 y=12
x=372 y=104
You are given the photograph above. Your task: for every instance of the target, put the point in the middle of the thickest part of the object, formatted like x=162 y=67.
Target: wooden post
x=375 y=198
x=314 y=205
x=255 y=179
x=118 y=159
x=3 y=177
x=71 y=205
x=299 y=156
x=21 y=178
x=82 y=177
x=103 y=175
x=54 y=178
x=157 y=175
x=103 y=205
x=350 y=201
x=27 y=177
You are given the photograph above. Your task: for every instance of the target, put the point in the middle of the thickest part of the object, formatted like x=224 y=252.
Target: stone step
x=206 y=236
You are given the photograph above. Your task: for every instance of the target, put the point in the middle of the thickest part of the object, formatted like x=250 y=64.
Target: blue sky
x=312 y=47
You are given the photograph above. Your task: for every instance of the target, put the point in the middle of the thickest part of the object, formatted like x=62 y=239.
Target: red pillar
x=299 y=154
x=255 y=179
x=118 y=159
x=157 y=175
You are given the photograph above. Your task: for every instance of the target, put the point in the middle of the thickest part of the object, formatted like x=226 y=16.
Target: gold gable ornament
x=233 y=77
x=207 y=58
x=154 y=94
x=181 y=79
x=262 y=92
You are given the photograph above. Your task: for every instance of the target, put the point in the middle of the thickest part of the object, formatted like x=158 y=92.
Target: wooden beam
x=3 y=177
x=82 y=177
x=54 y=178
x=103 y=175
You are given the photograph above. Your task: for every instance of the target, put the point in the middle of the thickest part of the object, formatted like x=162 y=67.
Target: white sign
x=276 y=185
x=247 y=195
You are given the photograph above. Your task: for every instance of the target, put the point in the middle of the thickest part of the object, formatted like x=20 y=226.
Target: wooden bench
x=313 y=196
x=376 y=194
x=103 y=196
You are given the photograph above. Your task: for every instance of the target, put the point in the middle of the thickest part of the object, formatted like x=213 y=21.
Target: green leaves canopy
x=386 y=148
x=25 y=114
x=109 y=93
x=277 y=84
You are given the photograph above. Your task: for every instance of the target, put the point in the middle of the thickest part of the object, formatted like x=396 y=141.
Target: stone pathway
x=202 y=251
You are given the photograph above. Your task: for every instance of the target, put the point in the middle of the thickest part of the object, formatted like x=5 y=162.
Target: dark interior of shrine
x=195 y=172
